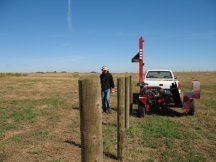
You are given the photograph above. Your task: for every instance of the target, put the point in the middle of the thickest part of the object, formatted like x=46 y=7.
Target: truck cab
x=161 y=78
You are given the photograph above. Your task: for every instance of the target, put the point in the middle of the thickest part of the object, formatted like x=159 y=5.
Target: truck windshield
x=159 y=74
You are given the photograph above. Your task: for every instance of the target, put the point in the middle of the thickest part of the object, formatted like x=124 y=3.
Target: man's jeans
x=105 y=100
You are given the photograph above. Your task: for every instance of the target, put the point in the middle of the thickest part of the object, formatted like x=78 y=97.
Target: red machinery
x=155 y=97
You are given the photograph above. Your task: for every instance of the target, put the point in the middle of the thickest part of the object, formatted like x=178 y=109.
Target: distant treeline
x=12 y=74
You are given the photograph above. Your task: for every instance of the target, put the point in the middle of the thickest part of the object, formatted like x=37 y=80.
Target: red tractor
x=155 y=95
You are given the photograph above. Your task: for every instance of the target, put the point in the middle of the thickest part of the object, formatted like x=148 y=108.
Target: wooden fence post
x=127 y=101
x=131 y=96
x=90 y=120
x=121 y=117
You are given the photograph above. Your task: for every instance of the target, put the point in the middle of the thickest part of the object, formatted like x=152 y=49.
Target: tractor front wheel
x=141 y=110
x=192 y=108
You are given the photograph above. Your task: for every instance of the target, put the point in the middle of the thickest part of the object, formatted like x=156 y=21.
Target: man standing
x=107 y=86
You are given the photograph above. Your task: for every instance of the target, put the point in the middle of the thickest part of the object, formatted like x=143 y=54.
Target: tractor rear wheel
x=141 y=110
x=192 y=108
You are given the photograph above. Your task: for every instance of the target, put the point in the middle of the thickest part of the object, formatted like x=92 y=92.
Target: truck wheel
x=141 y=110
x=192 y=108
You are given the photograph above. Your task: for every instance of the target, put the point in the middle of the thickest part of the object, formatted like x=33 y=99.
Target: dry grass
x=39 y=121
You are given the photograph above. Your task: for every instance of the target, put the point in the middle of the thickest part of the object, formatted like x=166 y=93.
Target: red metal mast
x=141 y=64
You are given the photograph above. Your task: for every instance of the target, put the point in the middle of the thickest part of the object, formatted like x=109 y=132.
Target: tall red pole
x=141 y=64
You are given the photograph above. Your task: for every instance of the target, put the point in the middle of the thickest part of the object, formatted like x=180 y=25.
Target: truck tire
x=141 y=110
x=192 y=108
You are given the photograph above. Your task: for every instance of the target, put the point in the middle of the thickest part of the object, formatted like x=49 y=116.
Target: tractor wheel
x=192 y=108
x=141 y=110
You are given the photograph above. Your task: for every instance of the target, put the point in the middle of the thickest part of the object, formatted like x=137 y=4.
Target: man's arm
x=111 y=82
x=112 y=85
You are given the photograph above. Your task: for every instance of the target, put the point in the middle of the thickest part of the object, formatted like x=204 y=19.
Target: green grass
x=159 y=127
x=31 y=138
x=2 y=92
x=8 y=126
x=23 y=115
x=3 y=156
x=17 y=138
x=39 y=134
x=162 y=127
x=39 y=112
x=109 y=138
x=191 y=156
x=12 y=74
x=4 y=124
x=54 y=102
x=162 y=132
x=212 y=135
x=74 y=124
x=76 y=106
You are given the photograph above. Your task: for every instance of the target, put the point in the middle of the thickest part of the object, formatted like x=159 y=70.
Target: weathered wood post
x=131 y=96
x=127 y=101
x=121 y=117
x=90 y=120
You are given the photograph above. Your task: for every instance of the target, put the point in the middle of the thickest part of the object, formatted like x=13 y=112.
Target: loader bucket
x=188 y=99
x=196 y=89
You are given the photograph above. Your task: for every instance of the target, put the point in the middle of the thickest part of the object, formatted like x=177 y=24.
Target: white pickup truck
x=161 y=78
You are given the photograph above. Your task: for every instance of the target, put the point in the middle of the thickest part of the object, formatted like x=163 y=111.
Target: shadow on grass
x=167 y=112
x=114 y=109
x=73 y=143
x=107 y=154
x=163 y=112
x=111 y=156
x=109 y=124
x=76 y=108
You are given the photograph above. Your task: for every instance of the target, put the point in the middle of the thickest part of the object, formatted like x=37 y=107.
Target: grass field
x=39 y=121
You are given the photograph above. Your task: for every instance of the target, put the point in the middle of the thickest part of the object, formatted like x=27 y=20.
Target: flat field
x=39 y=121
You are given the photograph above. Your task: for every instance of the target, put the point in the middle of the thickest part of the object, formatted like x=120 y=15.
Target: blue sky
x=83 y=35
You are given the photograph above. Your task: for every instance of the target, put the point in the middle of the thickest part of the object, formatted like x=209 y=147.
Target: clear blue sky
x=83 y=35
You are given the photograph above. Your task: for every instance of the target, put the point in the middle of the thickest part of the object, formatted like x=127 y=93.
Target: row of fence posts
x=91 y=117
